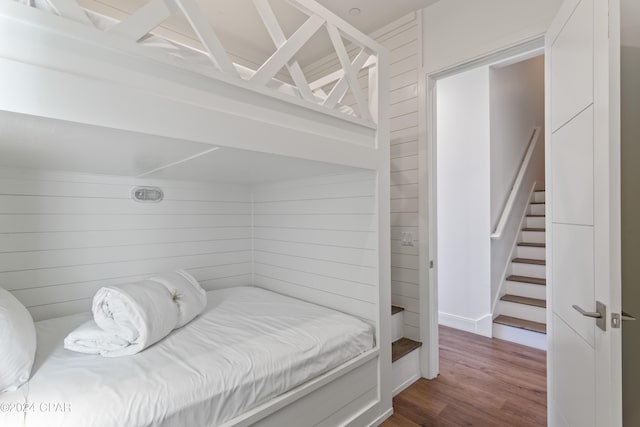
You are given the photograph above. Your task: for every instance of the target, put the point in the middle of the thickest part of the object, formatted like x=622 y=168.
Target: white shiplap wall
x=316 y=239
x=62 y=236
x=401 y=38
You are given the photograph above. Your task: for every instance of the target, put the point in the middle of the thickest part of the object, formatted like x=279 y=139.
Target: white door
x=583 y=218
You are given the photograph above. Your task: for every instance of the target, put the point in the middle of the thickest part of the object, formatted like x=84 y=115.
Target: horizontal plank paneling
x=63 y=236
x=352 y=273
x=14 y=261
x=352 y=256
x=404 y=191
x=316 y=247
x=347 y=239
x=69 y=222
x=319 y=222
x=24 y=242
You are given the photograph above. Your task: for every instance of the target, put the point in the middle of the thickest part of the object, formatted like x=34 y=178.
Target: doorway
x=469 y=195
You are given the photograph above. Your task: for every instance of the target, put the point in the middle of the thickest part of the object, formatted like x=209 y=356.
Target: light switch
x=407 y=239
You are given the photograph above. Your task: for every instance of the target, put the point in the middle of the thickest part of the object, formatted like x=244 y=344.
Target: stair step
x=528 y=290
x=539 y=196
x=521 y=324
x=402 y=347
x=530 y=252
x=525 y=279
x=524 y=300
x=534 y=221
x=534 y=229
x=529 y=261
x=395 y=309
x=532 y=244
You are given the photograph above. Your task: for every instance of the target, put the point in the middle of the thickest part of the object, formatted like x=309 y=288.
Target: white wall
x=630 y=61
x=401 y=38
x=62 y=236
x=463 y=201
x=457 y=31
x=517 y=106
x=317 y=240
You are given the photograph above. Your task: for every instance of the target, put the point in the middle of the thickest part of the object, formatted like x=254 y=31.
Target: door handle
x=600 y=314
x=626 y=316
x=593 y=314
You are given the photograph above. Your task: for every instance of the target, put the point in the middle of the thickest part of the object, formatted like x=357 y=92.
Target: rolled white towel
x=187 y=294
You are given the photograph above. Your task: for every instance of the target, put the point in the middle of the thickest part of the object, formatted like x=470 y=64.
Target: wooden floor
x=482 y=382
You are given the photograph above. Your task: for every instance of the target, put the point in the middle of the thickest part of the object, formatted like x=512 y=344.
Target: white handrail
x=506 y=212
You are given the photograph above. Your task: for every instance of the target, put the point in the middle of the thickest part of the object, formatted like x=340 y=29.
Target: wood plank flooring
x=482 y=382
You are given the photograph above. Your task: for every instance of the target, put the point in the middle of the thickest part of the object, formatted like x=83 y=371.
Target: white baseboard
x=481 y=326
x=382 y=418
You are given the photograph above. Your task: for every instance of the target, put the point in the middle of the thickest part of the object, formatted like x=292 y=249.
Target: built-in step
x=524 y=300
x=525 y=279
x=402 y=347
x=528 y=325
x=534 y=229
x=405 y=355
x=395 y=309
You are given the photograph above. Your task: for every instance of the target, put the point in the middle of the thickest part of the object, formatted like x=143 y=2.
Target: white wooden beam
x=284 y=54
x=338 y=74
x=207 y=35
x=145 y=19
x=277 y=35
x=71 y=10
x=350 y=72
x=340 y=89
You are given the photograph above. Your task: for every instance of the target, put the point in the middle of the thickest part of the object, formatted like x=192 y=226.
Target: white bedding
x=248 y=346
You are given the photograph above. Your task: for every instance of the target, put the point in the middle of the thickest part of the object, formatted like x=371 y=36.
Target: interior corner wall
x=458 y=31
x=630 y=62
x=316 y=239
x=517 y=107
x=401 y=38
x=463 y=200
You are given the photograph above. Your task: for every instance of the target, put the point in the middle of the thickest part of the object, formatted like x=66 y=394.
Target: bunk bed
x=94 y=105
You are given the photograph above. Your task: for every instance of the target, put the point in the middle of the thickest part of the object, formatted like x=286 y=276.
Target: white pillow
x=17 y=342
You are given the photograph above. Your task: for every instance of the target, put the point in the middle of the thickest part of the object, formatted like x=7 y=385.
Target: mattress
x=189 y=58
x=248 y=346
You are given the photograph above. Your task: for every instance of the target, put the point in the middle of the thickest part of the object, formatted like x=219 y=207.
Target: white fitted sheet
x=249 y=345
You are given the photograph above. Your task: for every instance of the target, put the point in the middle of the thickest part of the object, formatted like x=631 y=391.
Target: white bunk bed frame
x=57 y=67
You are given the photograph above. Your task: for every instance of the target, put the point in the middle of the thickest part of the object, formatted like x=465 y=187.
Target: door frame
x=427 y=179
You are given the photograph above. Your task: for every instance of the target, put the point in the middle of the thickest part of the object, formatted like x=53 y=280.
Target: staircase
x=522 y=307
x=405 y=353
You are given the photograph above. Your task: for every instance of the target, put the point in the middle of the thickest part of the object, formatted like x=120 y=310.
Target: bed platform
x=272 y=186
x=248 y=346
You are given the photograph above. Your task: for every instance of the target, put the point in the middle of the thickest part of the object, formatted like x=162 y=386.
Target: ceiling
x=243 y=34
